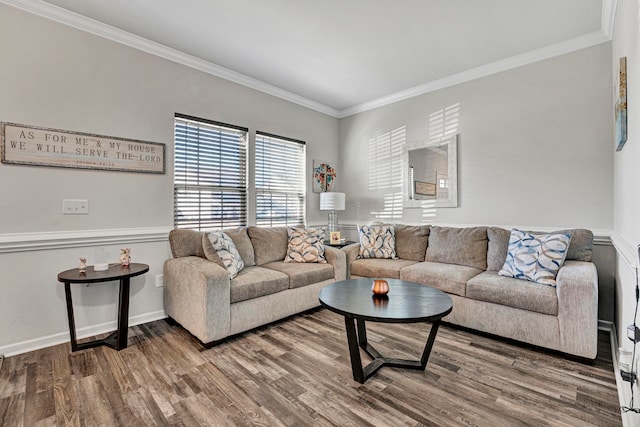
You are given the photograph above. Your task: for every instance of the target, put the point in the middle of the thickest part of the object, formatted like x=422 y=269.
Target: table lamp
x=332 y=202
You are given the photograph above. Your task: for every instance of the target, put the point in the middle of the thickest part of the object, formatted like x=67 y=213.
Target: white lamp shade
x=331 y=201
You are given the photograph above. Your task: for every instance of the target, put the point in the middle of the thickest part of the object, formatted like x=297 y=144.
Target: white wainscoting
x=33 y=310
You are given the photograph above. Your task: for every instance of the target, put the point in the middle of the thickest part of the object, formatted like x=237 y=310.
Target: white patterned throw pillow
x=305 y=245
x=227 y=252
x=535 y=257
x=377 y=241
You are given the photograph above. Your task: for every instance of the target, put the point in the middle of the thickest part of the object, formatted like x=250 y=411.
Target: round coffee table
x=406 y=302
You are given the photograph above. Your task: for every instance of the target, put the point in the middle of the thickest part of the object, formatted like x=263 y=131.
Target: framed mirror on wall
x=431 y=173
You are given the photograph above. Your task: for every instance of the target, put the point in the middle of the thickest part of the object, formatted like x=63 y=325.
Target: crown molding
x=66 y=17
x=608 y=17
x=83 y=23
x=526 y=58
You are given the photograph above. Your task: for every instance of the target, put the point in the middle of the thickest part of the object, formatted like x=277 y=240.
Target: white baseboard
x=87 y=331
x=629 y=419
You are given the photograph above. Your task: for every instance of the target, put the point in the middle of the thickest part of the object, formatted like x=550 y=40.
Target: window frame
x=209 y=181
x=296 y=197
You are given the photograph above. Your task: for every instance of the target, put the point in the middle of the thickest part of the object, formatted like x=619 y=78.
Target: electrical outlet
x=159 y=280
x=75 y=207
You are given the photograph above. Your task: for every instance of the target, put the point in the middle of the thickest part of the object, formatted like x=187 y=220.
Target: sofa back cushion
x=269 y=244
x=412 y=241
x=462 y=246
x=241 y=241
x=580 y=247
x=186 y=243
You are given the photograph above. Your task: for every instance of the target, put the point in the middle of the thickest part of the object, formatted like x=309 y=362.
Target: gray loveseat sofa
x=200 y=296
x=464 y=263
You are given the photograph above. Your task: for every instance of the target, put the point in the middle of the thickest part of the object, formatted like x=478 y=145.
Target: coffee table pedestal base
x=358 y=339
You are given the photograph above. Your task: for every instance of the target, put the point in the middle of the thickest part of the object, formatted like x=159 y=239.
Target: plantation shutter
x=280 y=184
x=210 y=189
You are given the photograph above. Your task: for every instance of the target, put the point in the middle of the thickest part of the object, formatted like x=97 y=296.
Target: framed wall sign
x=37 y=146
x=425 y=188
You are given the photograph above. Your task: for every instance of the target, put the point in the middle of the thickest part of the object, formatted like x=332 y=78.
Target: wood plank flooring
x=297 y=373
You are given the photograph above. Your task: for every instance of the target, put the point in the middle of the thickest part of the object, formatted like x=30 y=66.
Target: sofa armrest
x=352 y=251
x=197 y=294
x=338 y=259
x=577 y=290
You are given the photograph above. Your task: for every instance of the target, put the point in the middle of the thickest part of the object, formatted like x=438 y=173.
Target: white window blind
x=210 y=189
x=280 y=184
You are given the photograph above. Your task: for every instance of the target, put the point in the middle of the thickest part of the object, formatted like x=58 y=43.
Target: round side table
x=117 y=339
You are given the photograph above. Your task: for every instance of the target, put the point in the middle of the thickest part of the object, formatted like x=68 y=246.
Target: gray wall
x=534 y=145
x=60 y=77
x=626 y=174
x=534 y=151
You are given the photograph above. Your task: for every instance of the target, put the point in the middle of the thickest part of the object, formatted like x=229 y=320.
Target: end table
x=117 y=339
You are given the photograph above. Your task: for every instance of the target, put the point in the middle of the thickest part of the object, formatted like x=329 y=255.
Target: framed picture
x=324 y=176
x=425 y=188
x=334 y=238
x=621 y=105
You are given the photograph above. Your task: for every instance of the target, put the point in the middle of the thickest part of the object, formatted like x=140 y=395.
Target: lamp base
x=333 y=221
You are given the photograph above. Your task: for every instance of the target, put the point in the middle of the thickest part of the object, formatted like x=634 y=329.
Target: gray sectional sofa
x=200 y=296
x=464 y=263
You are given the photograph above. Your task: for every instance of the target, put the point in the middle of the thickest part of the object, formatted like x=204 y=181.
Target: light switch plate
x=75 y=207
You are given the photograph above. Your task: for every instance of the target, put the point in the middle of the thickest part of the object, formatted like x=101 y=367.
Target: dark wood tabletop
x=406 y=302
x=114 y=272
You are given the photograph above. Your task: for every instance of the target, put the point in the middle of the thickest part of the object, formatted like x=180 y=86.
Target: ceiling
x=343 y=56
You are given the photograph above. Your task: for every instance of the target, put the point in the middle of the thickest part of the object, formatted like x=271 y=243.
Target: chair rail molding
x=625 y=250
x=38 y=241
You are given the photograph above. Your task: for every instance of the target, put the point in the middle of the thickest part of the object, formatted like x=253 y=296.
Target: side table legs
x=117 y=339
x=358 y=339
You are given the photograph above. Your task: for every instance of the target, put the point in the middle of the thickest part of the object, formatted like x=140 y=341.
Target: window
x=280 y=185
x=210 y=189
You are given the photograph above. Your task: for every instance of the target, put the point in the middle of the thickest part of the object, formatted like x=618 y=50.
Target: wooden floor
x=297 y=373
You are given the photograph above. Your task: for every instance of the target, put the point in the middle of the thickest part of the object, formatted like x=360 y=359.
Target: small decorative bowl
x=380 y=287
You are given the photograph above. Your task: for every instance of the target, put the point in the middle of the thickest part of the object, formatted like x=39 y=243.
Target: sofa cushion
x=535 y=257
x=269 y=244
x=379 y=267
x=462 y=246
x=186 y=243
x=243 y=244
x=226 y=250
x=450 y=278
x=580 y=247
x=497 y=247
x=377 y=241
x=209 y=252
x=305 y=245
x=254 y=282
x=490 y=287
x=411 y=241
x=303 y=274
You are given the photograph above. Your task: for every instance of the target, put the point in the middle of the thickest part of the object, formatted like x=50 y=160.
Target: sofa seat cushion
x=378 y=267
x=302 y=274
x=517 y=293
x=254 y=282
x=449 y=278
